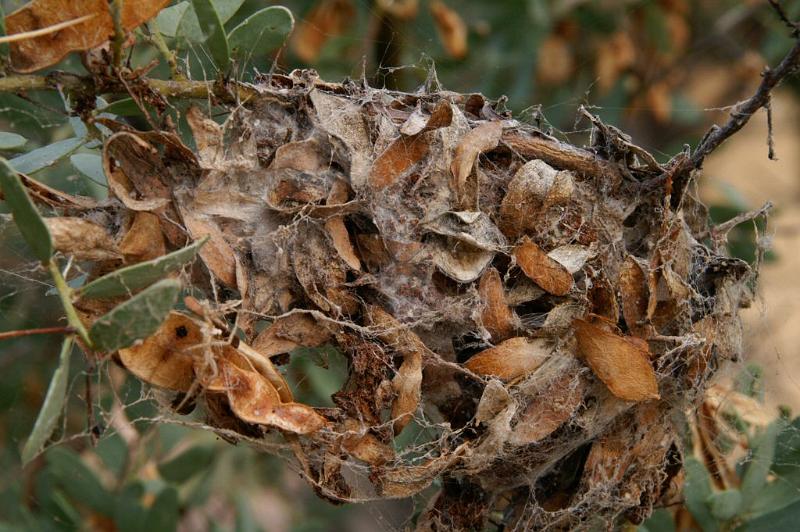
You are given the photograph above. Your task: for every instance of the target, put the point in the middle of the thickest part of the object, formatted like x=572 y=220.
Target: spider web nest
x=541 y=314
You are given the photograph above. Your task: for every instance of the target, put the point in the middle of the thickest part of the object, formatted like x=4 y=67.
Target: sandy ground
x=772 y=325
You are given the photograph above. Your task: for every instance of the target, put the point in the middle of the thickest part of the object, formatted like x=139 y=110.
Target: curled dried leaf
x=548 y=410
x=540 y=268
x=496 y=316
x=82 y=239
x=290 y=332
x=166 y=358
x=398 y=159
x=144 y=240
x=512 y=359
x=483 y=138
x=534 y=187
x=217 y=254
x=321 y=274
x=419 y=121
x=633 y=294
x=623 y=365
x=207 y=135
x=40 y=52
x=253 y=399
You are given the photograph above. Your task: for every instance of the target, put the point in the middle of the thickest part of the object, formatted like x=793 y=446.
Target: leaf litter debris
x=529 y=310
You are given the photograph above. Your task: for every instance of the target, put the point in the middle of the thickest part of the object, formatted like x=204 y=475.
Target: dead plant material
x=506 y=291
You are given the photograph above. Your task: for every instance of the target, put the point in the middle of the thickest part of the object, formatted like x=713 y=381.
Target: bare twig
x=794 y=26
x=7 y=335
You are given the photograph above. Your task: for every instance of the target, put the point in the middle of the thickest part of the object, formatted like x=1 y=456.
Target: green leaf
x=784 y=520
x=11 y=141
x=129 y=514
x=122 y=107
x=90 y=165
x=786 y=462
x=163 y=514
x=26 y=216
x=136 y=318
x=190 y=462
x=78 y=481
x=755 y=476
x=660 y=521
x=213 y=31
x=45 y=156
x=52 y=406
x=725 y=504
x=188 y=27
x=262 y=31
x=127 y=280
x=697 y=492
x=170 y=18
x=776 y=495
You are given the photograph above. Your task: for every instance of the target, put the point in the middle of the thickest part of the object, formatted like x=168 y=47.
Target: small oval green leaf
x=261 y=32
x=11 y=141
x=725 y=504
x=136 y=318
x=26 y=216
x=45 y=156
x=213 y=32
x=697 y=492
x=163 y=514
x=122 y=107
x=187 y=464
x=90 y=165
x=755 y=476
x=52 y=406
x=127 y=280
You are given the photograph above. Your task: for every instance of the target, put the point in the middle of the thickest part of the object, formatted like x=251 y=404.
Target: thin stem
x=119 y=32
x=7 y=335
x=169 y=55
x=65 y=293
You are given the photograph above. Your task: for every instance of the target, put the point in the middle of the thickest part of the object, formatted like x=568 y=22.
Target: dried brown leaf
x=217 y=254
x=396 y=160
x=633 y=295
x=544 y=271
x=144 y=240
x=40 y=52
x=496 y=316
x=555 y=61
x=420 y=121
x=623 y=365
x=290 y=332
x=548 y=410
x=166 y=358
x=402 y=9
x=82 y=239
x=512 y=359
x=482 y=138
x=451 y=28
x=207 y=135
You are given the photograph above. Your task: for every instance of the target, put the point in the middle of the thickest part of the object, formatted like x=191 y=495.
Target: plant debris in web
x=533 y=313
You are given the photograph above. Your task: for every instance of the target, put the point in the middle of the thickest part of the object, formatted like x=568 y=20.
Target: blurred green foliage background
x=651 y=68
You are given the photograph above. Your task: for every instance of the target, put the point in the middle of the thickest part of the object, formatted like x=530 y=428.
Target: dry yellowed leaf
x=548 y=410
x=82 y=239
x=512 y=359
x=497 y=316
x=451 y=28
x=207 y=136
x=328 y=18
x=217 y=254
x=166 y=359
x=144 y=240
x=290 y=332
x=633 y=295
x=541 y=269
x=623 y=365
x=482 y=138
x=253 y=399
x=40 y=52
x=407 y=383
x=397 y=160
